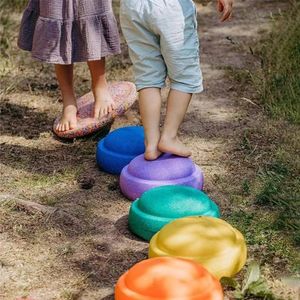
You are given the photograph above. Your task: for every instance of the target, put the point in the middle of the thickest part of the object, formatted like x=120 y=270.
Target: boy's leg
x=178 y=103
x=180 y=49
x=150 y=105
x=64 y=74
x=104 y=102
x=149 y=68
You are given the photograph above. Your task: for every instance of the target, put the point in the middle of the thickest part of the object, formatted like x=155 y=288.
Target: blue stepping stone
x=119 y=148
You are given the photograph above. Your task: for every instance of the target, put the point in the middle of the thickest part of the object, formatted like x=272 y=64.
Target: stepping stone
x=119 y=148
x=124 y=93
x=168 y=278
x=212 y=242
x=141 y=175
x=162 y=205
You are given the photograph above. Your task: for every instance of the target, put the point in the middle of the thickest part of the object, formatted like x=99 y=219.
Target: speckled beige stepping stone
x=124 y=93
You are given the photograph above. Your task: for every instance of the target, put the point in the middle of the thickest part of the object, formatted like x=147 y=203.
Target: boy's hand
x=225 y=7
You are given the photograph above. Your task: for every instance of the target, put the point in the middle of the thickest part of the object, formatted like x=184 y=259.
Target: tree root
x=33 y=208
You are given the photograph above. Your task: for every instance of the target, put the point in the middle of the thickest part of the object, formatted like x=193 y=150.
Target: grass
x=279 y=82
x=267 y=202
x=261 y=236
x=280 y=191
x=277 y=182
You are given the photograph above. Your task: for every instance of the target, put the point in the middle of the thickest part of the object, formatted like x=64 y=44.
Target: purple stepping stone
x=141 y=175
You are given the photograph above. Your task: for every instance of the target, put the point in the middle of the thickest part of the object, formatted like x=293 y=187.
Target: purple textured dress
x=68 y=31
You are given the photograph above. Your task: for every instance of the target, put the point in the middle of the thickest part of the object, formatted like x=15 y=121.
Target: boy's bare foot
x=104 y=103
x=152 y=153
x=68 y=120
x=173 y=146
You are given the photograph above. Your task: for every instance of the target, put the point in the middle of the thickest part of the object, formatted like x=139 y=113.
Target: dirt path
x=83 y=258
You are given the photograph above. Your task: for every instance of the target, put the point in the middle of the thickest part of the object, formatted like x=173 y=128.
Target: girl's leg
x=64 y=74
x=104 y=103
x=178 y=103
x=150 y=105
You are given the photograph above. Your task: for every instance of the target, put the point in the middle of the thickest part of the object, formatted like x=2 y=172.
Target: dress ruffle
x=67 y=41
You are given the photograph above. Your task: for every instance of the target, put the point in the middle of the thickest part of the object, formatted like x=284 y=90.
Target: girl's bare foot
x=68 y=120
x=104 y=103
x=173 y=146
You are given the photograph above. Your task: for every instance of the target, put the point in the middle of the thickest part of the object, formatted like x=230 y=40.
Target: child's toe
x=73 y=125
x=97 y=113
x=103 y=112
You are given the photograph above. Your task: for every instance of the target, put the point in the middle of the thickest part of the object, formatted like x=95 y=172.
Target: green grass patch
x=280 y=191
x=279 y=82
x=273 y=219
x=265 y=241
x=43 y=181
x=266 y=204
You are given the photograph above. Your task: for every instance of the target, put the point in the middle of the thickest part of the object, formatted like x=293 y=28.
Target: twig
x=232 y=41
x=250 y=101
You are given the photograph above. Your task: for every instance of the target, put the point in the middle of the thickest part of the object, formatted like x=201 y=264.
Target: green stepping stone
x=161 y=205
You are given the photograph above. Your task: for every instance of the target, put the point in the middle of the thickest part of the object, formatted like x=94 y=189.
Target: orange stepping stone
x=168 y=278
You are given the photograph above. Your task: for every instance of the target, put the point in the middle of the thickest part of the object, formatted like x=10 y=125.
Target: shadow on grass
x=68 y=154
x=43 y=162
x=17 y=120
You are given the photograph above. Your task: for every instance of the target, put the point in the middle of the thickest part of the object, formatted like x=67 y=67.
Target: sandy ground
x=81 y=257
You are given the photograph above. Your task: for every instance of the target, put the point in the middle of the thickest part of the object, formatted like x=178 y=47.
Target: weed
x=245 y=143
x=246 y=187
x=253 y=285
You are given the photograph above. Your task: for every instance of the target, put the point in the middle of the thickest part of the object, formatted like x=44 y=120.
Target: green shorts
x=163 y=42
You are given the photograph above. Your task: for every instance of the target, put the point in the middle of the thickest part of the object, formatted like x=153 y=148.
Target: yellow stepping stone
x=214 y=243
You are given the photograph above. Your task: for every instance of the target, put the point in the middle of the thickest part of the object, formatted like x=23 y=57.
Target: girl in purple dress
x=63 y=32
